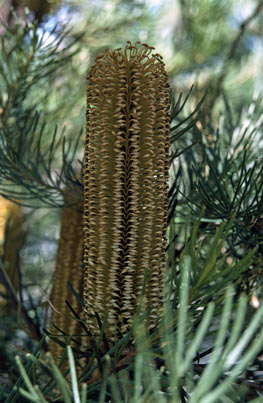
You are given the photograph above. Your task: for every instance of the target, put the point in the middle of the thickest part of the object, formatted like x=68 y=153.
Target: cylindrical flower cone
x=125 y=187
x=69 y=268
x=12 y=236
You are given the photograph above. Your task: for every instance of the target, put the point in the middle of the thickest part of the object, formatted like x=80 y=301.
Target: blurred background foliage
x=213 y=44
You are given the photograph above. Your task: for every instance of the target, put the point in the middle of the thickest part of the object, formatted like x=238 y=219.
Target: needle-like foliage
x=197 y=364
x=27 y=160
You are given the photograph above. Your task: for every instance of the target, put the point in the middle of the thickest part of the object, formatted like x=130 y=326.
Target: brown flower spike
x=125 y=187
x=68 y=269
x=12 y=237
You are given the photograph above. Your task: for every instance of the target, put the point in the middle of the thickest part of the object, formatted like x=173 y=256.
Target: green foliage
x=171 y=371
x=225 y=166
x=23 y=133
x=222 y=174
x=204 y=345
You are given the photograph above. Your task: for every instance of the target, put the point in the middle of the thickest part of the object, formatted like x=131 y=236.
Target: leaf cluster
x=28 y=158
x=223 y=175
x=202 y=351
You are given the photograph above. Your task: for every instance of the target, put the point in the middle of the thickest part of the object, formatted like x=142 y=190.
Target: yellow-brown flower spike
x=69 y=268
x=12 y=236
x=125 y=186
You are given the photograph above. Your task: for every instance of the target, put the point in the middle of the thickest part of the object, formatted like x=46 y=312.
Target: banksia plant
x=12 y=236
x=125 y=187
x=69 y=268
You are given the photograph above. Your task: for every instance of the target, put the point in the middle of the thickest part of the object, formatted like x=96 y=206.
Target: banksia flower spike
x=68 y=268
x=125 y=187
x=12 y=236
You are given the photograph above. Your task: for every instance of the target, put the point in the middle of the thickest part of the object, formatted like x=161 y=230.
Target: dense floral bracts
x=125 y=186
x=69 y=268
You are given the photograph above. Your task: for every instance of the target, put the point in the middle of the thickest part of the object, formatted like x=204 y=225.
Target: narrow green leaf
x=12 y=397
x=28 y=395
x=103 y=388
x=237 y=327
x=25 y=377
x=198 y=338
x=44 y=367
x=243 y=364
x=214 y=250
x=84 y=392
x=138 y=377
x=182 y=316
x=213 y=369
x=40 y=395
x=114 y=389
x=73 y=374
x=234 y=355
x=65 y=390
